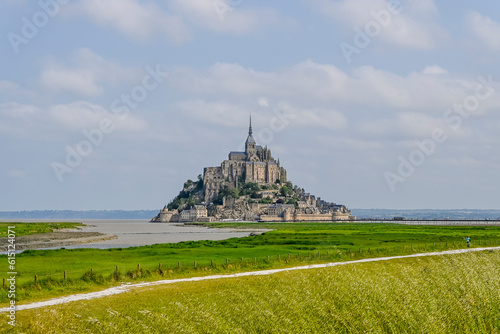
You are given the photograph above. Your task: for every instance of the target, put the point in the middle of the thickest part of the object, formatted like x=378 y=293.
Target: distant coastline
x=147 y=214
x=427 y=213
x=74 y=214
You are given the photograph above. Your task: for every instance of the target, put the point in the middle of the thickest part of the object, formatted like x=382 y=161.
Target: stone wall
x=270 y=218
x=342 y=216
x=302 y=217
x=323 y=217
x=312 y=217
x=205 y=219
x=213 y=180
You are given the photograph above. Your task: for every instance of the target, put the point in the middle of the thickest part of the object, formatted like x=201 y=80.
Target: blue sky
x=113 y=104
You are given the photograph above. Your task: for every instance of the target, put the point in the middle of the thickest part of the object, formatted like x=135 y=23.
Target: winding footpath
x=128 y=287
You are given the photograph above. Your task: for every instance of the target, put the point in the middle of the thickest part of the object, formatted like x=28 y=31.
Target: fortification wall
x=300 y=217
x=342 y=216
x=268 y=218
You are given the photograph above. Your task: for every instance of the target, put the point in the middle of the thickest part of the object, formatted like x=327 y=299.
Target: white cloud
x=324 y=118
x=434 y=69
x=400 y=108
x=79 y=82
x=431 y=90
x=220 y=113
x=11 y=90
x=422 y=7
x=19 y=120
x=85 y=75
x=220 y=16
x=8 y=86
x=358 y=144
x=19 y=111
x=263 y=102
x=80 y=115
x=486 y=29
x=308 y=78
x=411 y=125
x=403 y=25
x=143 y=20
x=236 y=115
x=56 y=122
x=423 y=90
x=313 y=117
x=348 y=143
x=138 y=19
x=460 y=162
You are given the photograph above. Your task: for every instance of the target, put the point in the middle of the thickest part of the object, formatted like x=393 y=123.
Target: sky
x=114 y=104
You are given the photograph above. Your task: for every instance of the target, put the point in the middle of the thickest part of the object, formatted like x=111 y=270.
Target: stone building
x=195 y=214
x=256 y=165
x=279 y=209
x=166 y=215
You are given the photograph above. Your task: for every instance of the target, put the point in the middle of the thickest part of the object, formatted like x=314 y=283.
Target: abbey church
x=255 y=165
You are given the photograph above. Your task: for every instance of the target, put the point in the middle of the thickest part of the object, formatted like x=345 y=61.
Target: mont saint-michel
x=250 y=186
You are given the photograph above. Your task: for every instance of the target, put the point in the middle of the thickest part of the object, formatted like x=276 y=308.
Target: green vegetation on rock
x=191 y=194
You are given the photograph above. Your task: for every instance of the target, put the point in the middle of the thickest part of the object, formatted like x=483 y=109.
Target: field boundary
x=129 y=286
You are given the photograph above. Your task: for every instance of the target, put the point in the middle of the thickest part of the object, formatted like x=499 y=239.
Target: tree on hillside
x=266 y=200
x=188 y=184
x=228 y=192
x=286 y=191
x=249 y=188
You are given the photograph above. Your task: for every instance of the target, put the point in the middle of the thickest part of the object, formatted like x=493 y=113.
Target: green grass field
x=34 y=228
x=438 y=294
x=288 y=245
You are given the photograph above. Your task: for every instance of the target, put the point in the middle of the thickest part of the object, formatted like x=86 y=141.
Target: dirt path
x=128 y=287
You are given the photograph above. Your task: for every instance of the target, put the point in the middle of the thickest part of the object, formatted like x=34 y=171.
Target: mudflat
x=56 y=239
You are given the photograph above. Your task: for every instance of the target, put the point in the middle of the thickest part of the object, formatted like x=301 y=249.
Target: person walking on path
x=468 y=241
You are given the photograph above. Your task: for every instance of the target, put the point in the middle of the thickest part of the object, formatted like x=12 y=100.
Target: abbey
x=255 y=165
x=250 y=186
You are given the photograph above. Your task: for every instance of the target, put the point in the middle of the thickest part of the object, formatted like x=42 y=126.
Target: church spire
x=250 y=143
x=250 y=132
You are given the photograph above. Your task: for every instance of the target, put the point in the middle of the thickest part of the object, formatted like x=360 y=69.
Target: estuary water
x=131 y=232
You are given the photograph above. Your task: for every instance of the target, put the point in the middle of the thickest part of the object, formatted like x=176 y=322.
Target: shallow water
x=132 y=232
